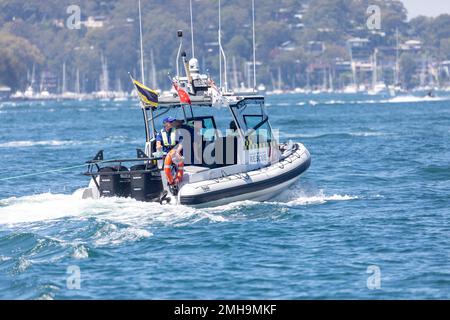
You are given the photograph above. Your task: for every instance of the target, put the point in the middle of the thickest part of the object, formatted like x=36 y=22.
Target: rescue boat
x=230 y=151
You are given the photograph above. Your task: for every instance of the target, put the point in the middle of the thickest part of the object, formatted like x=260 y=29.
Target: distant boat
x=242 y=89
x=350 y=89
x=301 y=91
x=378 y=88
x=274 y=92
x=261 y=88
x=5 y=92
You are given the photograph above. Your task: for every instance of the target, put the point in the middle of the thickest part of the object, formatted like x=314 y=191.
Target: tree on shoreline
x=285 y=30
x=17 y=56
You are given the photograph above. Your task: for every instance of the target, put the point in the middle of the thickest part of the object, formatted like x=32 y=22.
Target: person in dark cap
x=167 y=138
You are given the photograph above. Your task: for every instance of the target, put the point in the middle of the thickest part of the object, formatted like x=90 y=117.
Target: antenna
x=180 y=36
x=142 y=45
x=254 y=46
x=222 y=54
x=192 y=30
x=224 y=67
x=186 y=68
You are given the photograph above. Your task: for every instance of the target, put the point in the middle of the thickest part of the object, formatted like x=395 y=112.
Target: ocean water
x=370 y=219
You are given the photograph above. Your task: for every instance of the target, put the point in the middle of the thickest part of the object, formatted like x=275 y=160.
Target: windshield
x=253 y=120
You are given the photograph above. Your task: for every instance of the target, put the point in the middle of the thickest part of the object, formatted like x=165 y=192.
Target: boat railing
x=141 y=157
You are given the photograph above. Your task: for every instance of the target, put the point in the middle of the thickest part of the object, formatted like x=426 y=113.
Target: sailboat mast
x=77 y=82
x=308 y=82
x=33 y=75
x=397 y=58
x=105 y=75
x=64 y=78
x=254 y=45
x=152 y=61
x=331 y=80
x=324 y=84
x=220 y=46
x=235 y=78
x=279 y=78
x=375 y=68
x=247 y=73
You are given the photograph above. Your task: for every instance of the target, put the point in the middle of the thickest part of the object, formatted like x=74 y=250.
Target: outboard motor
x=146 y=184
x=115 y=182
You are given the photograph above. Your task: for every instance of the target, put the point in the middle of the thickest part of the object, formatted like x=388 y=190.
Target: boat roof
x=172 y=100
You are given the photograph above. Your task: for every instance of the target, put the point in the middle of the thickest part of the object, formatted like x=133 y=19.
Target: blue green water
x=375 y=196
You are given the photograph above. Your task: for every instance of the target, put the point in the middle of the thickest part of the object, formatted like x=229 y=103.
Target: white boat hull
x=260 y=184
x=257 y=185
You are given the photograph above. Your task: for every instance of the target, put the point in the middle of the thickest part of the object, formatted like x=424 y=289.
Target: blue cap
x=169 y=120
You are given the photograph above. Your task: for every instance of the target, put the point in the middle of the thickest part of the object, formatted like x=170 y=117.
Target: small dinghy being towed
x=218 y=167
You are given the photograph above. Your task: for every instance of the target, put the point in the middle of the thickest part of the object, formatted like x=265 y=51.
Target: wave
x=111 y=234
x=314 y=103
x=368 y=134
x=398 y=99
x=80 y=252
x=332 y=102
x=58 y=143
x=301 y=197
x=30 y=143
x=50 y=207
x=35 y=208
x=413 y=99
x=47 y=208
x=5 y=258
x=334 y=134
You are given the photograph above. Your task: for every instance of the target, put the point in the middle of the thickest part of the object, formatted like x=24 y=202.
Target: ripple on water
x=381 y=171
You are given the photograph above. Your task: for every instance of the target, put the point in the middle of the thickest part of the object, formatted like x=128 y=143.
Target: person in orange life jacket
x=167 y=138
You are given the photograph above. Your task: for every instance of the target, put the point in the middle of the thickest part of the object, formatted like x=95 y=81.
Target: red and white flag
x=184 y=96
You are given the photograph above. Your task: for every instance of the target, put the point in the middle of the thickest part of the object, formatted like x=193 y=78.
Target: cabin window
x=208 y=127
x=258 y=129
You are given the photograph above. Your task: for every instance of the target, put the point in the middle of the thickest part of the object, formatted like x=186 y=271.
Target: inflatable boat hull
x=258 y=185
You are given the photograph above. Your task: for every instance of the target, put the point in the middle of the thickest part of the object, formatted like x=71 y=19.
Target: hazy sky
x=430 y=8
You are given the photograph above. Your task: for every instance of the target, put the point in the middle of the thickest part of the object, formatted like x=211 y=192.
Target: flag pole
x=142 y=45
x=149 y=137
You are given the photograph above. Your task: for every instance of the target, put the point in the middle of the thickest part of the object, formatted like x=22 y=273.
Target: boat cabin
x=236 y=135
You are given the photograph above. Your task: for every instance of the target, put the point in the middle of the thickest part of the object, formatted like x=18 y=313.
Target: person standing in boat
x=167 y=138
x=185 y=135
